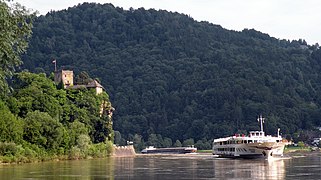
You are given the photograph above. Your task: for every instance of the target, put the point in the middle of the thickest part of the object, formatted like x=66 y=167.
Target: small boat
x=174 y=150
x=255 y=145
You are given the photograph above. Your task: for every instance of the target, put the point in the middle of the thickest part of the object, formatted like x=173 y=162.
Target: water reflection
x=249 y=169
x=197 y=167
x=167 y=167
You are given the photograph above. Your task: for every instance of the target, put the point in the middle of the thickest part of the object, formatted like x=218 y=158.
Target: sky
x=282 y=19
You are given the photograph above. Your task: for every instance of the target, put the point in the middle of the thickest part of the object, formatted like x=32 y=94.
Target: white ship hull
x=255 y=145
x=251 y=150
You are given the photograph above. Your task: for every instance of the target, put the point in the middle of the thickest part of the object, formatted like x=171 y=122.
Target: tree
x=36 y=92
x=118 y=138
x=178 y=143
x=170 y=75
x=167 y=142
x=153 y=140
x=15 y=28
x=11 y=127
x=83 y=78
x=188 y=142
x=138 y=142
x=43 y=130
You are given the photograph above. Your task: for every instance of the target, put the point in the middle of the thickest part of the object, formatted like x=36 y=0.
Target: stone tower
x=66 y=77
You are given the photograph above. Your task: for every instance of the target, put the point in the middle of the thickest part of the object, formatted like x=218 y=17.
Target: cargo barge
x=174 y=150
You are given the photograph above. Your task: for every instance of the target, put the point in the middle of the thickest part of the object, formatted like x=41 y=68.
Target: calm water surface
x=168 y=167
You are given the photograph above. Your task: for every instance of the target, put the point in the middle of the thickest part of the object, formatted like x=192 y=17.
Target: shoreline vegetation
x=41 y=122
x=28 y=155
x=47 y=116
x=103 y=150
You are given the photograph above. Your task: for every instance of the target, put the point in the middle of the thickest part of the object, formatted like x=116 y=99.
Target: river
x=168 y=167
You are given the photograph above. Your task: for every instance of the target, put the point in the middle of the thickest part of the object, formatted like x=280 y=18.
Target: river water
x=168 y=167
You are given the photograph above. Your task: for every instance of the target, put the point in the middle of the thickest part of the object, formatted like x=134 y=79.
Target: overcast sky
x=283 y=19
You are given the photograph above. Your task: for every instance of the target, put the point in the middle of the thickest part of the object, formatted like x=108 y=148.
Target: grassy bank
x=204 y=151
x=292 y=149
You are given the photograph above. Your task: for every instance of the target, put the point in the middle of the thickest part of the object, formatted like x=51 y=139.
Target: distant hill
x=170 y=75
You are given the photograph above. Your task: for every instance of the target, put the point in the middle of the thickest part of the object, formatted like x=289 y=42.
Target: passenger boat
x=174 y=150
x=255 y=145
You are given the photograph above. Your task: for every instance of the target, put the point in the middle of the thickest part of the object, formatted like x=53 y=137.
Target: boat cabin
x=256 y=134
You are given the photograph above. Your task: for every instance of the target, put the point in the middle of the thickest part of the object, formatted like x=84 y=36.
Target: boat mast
x=261 y=120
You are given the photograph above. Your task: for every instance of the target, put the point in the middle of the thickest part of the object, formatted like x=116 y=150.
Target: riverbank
x=22 y=154
x=291 y=149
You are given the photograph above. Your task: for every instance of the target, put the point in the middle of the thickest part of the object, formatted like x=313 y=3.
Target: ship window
x=250 y=141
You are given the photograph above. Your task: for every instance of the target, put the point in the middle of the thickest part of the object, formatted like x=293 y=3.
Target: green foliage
x=98 y=150
x=36 y=92
x=118 y=138
x=188 y=142
x=177 y=143
x=301 y=144
x=39 y=121
x=203 y=144
x=75 y=129
x=15 y=28
x=45 y=122
x=109 y=148
x=7 y=149
x=167 y=142
x=42 y=130
x=179 y=78
x=138 y=142
x=83 y=142
x=11 y=127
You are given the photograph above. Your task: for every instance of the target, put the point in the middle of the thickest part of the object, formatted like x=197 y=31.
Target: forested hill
x=170 y=75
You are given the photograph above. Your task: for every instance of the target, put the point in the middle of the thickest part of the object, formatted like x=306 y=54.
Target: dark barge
x=174 y=150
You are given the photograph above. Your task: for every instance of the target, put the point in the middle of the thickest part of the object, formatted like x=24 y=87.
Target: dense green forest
x=44 y=121
x=38 y=119
x=174 y=80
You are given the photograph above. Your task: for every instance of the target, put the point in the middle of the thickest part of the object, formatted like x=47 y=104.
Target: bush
x=7 y=149
x=76 y=153
x=98 y=150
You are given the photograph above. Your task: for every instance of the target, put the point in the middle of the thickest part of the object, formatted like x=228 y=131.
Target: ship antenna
x=261 y=120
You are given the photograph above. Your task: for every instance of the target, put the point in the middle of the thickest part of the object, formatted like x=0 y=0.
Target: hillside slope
x=170 y=75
